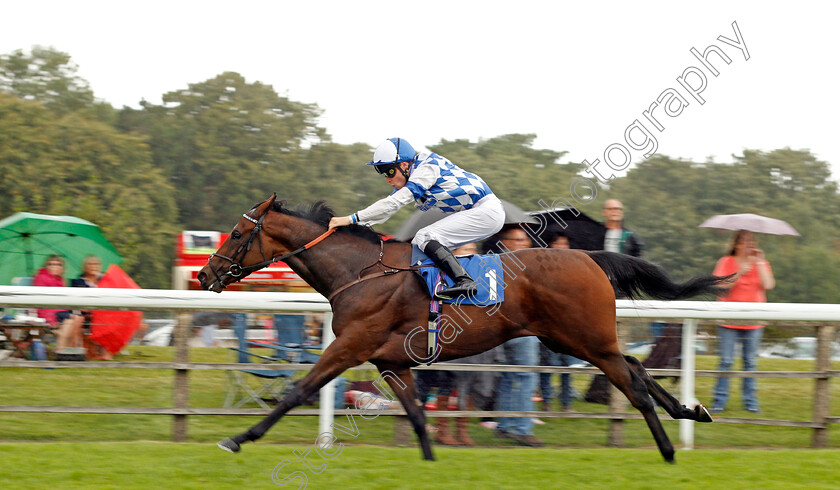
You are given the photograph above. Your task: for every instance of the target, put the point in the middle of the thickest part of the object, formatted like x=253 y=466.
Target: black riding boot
x=450 y=266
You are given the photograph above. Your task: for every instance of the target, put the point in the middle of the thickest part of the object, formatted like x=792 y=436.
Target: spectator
x=617 y=238
x=206 y=323
x=443 y=381
x=459 y=382
x=91 y=274
x=753 y=276
x=516 y=389
x=69 y=325
x=556 y=239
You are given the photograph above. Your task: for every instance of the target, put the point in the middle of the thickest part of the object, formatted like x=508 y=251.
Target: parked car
x=798 y=348
x=701 y=346
x=159 y=333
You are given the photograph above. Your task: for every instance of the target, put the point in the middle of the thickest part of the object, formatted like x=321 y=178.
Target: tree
x=223 y=143
x=79 y=166
x=515 y=171
x=49 y=76
x=667 y=199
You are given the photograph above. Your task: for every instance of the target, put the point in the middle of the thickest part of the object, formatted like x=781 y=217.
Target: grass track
x=170 y=465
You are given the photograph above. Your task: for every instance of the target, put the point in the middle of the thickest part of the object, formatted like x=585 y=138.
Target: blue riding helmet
x=393 y=151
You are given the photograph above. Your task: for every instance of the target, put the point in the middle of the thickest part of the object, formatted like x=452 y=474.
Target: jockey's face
x=398 y=180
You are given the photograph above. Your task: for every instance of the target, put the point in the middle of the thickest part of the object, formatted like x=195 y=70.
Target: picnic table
x=20 y=335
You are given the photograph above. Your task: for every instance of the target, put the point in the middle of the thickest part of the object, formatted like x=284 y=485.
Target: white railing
x=183 y=301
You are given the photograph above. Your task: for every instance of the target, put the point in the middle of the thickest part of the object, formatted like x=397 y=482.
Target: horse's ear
x=265 y=205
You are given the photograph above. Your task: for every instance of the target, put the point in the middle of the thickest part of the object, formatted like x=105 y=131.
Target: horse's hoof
x=702 y=414
x=229 y=445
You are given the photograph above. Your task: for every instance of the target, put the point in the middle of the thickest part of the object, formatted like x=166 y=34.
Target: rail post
x=180 y=386
x=687 y=365
x=327 y=395
x=822 y=395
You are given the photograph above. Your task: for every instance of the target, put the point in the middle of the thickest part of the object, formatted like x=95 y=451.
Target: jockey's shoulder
x=426 y=156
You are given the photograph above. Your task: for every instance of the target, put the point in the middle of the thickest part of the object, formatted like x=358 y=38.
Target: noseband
x=235 y=270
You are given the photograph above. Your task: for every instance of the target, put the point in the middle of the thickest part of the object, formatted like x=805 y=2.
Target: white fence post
x=327 y=397
x=689 y=332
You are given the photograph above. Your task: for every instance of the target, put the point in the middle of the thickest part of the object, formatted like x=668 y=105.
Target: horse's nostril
x=201 y=277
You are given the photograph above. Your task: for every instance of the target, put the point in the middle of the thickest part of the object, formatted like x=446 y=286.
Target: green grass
x=788 y=399
x=169 y=465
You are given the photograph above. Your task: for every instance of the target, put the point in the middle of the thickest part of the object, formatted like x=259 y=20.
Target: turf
x=170 y=465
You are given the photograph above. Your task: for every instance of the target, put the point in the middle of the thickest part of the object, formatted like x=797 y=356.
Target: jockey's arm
x=421 y=179
x=378 y=212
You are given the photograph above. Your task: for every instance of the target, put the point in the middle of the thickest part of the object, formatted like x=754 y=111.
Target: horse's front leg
x=336 y=359
x=401 y=381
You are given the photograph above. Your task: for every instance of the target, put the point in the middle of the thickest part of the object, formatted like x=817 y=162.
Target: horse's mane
x=320 y=212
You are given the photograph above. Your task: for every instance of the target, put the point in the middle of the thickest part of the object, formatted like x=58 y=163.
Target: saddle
x=486 y=271
x=488 y=274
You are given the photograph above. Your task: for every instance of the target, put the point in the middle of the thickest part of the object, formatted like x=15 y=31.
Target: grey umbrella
x=420 y=219
x=750 y=222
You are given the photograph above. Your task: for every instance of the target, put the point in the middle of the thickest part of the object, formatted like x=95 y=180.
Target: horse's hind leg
x=401 y=381
x=667 y=401
x=626 y=380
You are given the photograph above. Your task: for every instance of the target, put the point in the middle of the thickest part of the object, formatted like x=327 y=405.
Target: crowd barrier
x=822 y=317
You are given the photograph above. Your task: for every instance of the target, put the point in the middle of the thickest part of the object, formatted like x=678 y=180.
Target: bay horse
x=564 y=297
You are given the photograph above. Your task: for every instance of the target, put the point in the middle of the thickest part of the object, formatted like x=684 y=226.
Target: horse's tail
x=631 y=276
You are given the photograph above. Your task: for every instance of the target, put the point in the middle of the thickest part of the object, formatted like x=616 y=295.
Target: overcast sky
x=577 y=74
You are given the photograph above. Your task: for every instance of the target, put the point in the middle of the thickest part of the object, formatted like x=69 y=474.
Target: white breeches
x=484 y=219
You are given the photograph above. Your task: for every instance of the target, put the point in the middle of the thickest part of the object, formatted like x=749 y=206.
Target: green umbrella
x=27 y=239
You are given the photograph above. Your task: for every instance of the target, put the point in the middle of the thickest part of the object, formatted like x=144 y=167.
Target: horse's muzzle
x=215 y=286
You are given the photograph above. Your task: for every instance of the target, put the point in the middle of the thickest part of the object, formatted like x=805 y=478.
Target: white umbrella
x=750 y=222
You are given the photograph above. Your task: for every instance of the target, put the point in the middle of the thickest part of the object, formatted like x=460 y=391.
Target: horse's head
x=241 y=254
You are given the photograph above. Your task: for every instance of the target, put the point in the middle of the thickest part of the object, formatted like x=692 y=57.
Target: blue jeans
x=750 y=340
x=516 y=389
x=549 y=358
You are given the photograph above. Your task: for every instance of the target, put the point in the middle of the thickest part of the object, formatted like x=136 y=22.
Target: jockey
x=431 y=180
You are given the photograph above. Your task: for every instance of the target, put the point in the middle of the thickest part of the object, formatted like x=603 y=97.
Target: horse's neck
x=333 y=262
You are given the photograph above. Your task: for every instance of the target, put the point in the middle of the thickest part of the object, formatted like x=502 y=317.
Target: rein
x=236 y=270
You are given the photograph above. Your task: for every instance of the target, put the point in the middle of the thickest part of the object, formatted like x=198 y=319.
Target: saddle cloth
x=486 y=271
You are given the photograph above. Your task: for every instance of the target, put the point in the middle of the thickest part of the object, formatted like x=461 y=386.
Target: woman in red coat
x=69 y=325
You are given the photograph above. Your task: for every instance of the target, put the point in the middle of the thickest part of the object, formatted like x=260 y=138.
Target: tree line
x=217 y=147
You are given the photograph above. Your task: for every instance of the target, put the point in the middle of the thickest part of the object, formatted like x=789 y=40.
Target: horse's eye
x=236 y=235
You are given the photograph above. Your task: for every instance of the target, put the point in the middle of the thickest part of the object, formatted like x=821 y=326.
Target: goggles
x=387 y=170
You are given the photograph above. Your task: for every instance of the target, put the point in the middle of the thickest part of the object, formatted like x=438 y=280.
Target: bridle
x=235 y=270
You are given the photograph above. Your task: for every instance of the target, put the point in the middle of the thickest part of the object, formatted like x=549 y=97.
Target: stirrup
x=465 y=287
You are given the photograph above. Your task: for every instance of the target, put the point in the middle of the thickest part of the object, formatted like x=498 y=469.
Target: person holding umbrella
x=752 y=277
x=432 y=181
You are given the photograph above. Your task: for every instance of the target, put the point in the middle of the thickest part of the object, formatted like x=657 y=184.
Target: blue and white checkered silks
x=454 y=190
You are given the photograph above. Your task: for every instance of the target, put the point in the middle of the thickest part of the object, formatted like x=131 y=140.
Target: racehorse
x=564 y=297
